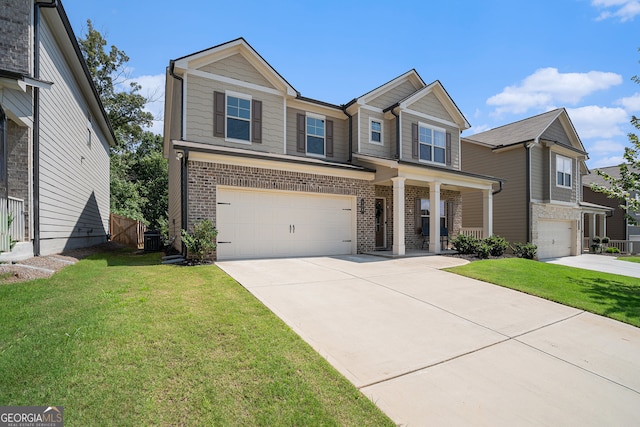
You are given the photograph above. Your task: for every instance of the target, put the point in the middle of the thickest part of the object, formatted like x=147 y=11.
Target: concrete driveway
x=433 y=348
x=603 y=263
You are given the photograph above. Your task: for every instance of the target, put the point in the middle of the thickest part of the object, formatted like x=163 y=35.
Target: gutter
x=184 y=183
x=527 y=148
x=36 y=123
x=499 y=189
x=344 y=110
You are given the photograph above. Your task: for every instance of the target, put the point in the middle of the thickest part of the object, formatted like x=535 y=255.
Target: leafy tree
x=623 y=188
x=139 y=173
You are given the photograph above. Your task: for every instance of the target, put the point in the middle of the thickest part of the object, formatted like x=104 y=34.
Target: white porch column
x=487 y=213
x=398 y=247
x=592 y=228
x=602 y=219
x=434 y=217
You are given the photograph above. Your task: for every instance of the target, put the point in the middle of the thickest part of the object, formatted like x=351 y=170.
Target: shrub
x=497 y=245
x=612 y=250
x=525 y=250
x=483 y=249
x=202 y=241
x=597 y=239
x=605 y=240
x=465 y=245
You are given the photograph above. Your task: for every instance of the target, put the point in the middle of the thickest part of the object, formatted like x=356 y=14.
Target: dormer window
x=563 y=171
x=375 y=131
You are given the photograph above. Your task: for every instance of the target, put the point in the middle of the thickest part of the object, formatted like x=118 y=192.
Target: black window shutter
x=448 y=153
x=218 y=114
x=414 y=140
x=256 y=121
x=302 y=133
x=329 y=133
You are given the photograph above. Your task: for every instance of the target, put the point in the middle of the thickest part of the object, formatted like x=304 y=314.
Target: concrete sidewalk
x=603 y=263
x=430 y=347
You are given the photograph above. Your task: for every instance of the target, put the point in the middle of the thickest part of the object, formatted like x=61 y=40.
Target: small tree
x=201 y=242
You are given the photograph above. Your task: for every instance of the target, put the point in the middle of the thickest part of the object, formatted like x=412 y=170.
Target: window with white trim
x=315 y=135
x=563 y=171
x=432 y=144
x=375 y=131
x=238 y=117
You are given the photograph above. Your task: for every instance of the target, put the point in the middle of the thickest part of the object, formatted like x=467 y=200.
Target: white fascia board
x=312 y=107
x=232 y=81
x=410 y=75
x=446 y=101
x=417 y=173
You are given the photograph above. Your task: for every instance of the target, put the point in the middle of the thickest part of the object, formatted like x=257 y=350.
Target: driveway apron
x=433 y=348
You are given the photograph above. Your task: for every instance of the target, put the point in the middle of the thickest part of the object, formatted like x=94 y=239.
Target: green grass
x=119 y=340
x=614 y=296
x=630 y=258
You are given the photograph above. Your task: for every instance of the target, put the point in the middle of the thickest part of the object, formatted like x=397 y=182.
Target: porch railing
x=4 y=230
x=624 y=246
x=16 y=210
x=477 y=232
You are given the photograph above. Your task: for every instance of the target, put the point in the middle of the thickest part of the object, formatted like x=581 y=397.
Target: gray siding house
x=55 y=136
x=280 y=174
x=542 y=161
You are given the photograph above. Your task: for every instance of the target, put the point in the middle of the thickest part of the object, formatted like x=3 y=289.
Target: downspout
x=184 y=223
x=344 y=110
x=392 y=109
x=36 y=124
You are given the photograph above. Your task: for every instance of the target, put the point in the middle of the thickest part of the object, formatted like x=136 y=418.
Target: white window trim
x=433 y=128
x=306 y=134
x=381 y=121
x=227 y=94
x=570 y=186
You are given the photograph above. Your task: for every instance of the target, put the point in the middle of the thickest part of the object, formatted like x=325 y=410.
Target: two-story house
x=542 y=161
x=54 y=136
x=280 y=174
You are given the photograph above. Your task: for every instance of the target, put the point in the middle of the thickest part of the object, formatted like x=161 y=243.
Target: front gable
x=237 y=67
x=435 y=102
x=393 y=91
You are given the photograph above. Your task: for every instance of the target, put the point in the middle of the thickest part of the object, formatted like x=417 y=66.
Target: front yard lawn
x=614 y=296
x=118 y=339
x=630 y=258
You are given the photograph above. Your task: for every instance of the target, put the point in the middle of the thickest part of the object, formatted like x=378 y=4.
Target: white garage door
x=554 y=239
x=271 y=224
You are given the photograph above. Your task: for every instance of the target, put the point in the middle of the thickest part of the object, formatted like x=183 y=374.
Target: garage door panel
x=554 y=238
x=263 y=224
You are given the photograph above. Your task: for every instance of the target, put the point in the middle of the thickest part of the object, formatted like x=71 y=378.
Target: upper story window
x=432 y=144
x=238 y=117
x=375 y=131
x=563 y=171
x=315 y=135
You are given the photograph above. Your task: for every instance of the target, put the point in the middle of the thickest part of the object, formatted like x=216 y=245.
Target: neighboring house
x=55 y=135
x=280 y=174
x=542 y=161
x=617 y=225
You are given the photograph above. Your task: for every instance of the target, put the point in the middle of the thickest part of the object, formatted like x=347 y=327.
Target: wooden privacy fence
x=127 y=231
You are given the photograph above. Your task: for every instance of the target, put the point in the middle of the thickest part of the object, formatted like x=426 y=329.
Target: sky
x=500 y=60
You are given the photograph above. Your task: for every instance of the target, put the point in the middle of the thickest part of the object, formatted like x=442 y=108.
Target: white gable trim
x=229 y=80
x=411 y=76
x=432 y=118
x=438 y=90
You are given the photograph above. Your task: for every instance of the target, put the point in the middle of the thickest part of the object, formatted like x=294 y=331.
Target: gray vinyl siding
x=175 y=127
x=563 y=194
x=340 y=136
x=394 y=95
x=556 y=133
x=236 y=67
x=431 y=105
x=74 y=176
x=355 y=132
x=509 y=206
x=199 y=107
x=18 y=103
x=539 y=156
x=366 y=146
x=408 y=119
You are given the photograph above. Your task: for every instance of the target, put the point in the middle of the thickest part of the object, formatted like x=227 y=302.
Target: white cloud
x=153 y=90
x=630 y=103
x=594 y=121
x=546 y=87
x=605 y=147
x=602 y=162
x=624 y=10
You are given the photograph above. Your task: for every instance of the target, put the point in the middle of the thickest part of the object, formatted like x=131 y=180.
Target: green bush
x=465 y=245
x=483 y=249
x=597 y=239
x=497 y=245
x=525 y=250
x=612 y=250
x=605 y=240
x=202 y=241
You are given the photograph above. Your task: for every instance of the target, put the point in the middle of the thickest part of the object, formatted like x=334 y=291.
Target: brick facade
x=203 y=177
x=15 y=17
x=548 y=211
x=18 y=166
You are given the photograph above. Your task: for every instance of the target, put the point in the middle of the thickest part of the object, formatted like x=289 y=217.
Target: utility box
x=152 y=241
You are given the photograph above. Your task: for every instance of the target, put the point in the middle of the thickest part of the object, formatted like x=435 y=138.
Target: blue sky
x=500 y=60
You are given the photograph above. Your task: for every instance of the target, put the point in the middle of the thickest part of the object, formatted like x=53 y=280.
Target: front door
x=380 y=223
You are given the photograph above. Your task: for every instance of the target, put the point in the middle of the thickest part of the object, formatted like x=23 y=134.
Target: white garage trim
x=255 y=223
